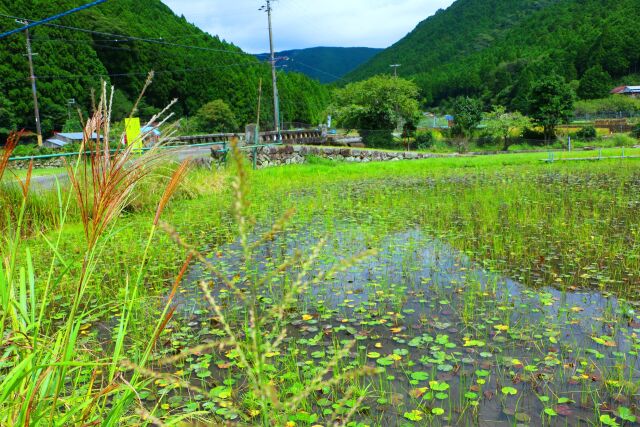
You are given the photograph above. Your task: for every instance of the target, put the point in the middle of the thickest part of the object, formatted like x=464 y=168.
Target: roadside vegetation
x=385 y=112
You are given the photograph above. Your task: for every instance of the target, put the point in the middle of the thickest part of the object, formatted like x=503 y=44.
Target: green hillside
x=190 y=65
x=494 y=49
x=326 y=64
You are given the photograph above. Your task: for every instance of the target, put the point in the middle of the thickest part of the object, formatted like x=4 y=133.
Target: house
x=61 y=140
x=150 y=134
x=632 y=91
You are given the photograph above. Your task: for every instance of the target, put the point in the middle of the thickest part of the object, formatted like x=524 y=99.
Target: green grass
x=566 y=227
x=22 y=173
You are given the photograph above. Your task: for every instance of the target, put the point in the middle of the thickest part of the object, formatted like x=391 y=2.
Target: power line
x=320 y=71
x=77 y=76
x=122 y=38
x=51 y=18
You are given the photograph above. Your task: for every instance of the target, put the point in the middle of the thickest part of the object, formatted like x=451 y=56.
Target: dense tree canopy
x=551 y=103
x=595 y=84
x=502 y=124
x=7 y=117
x=467 y=114
x=216 y=116
x=496 y=49
x=190 y=65
x=376 y=106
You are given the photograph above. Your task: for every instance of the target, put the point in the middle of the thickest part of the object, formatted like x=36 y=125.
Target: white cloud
x=308 y=23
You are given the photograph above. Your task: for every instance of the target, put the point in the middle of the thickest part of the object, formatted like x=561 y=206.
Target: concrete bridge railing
x=205 y=139
x=289 y=137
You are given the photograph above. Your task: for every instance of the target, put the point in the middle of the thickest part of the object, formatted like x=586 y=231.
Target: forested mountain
x=189 y=64
x=494 y=49
x=325 y=64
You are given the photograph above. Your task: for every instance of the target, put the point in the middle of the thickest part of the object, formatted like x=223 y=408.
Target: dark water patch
x=455 y=343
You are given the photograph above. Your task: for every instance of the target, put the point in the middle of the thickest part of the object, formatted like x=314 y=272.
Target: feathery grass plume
x=113 y=176
x=147 y=83
x=27 y=181
x=41 y=362
x=11 y=144
x=102 y=191
x=171 y=188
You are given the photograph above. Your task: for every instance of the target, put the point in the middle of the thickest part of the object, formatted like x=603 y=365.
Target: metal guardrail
x=552 y=157
x=86 y=153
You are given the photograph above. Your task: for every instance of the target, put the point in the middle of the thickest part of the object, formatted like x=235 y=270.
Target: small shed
x=61 y=140
x=151 y=134
x=632 y=91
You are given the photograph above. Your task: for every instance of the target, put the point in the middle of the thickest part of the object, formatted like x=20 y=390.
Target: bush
x=25 y=150
x=587 y=133
x=636 y=131
x=485 y=140
x=378 y=139
x=622 y=140
x=29 y=150
x=425 y=140
x=533 y=135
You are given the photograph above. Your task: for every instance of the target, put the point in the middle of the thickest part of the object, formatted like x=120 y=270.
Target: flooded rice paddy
x=451 y=342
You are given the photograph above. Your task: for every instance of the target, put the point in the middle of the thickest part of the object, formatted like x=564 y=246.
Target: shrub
x=533 y=136
x=587 y=133
x=425 y=140
x=622 y=140
x=485 y=140
x=378 y=138
x=25 y=150
x=636 y=131
x=28 y=150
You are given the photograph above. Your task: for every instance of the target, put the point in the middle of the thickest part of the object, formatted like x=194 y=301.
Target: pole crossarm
x=51 y=18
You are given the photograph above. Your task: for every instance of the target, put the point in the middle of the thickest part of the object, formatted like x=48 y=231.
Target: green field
x=494 y=289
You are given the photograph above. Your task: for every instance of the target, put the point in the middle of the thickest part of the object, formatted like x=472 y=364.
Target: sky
x=308 y=23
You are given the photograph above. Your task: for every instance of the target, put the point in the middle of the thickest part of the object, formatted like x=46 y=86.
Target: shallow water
x=431 y=314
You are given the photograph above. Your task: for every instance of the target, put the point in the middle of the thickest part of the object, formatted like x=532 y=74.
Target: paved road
x=48 y=182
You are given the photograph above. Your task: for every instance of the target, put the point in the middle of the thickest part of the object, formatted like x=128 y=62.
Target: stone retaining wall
x=289 y=155
x=55 y=162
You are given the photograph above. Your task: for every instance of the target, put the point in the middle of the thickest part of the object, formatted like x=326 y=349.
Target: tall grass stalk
x=42 y=362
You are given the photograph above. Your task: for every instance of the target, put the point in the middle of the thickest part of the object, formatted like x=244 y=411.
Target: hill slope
x=326 y=64
x=190 y=65
x=495 y=48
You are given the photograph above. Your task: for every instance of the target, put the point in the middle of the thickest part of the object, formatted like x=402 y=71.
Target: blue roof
x=151 y=129
x=57 y=142
x=76 y=136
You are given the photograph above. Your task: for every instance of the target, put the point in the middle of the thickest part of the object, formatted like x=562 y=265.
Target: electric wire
x=35 y=23
x=122 y=37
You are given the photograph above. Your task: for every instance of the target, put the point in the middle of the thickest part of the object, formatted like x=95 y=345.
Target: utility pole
x=276 y=98
x=36 y=108
x=70 y=104
x=395 y=76
x=395 y=69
